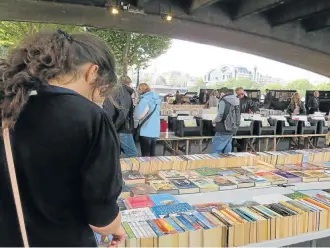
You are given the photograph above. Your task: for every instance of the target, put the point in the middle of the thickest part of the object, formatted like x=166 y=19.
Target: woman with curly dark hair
x=65 y=148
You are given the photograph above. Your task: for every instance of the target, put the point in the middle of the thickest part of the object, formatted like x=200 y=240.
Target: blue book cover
x=242 y=214
x=198 y=221
x=165 y=210
x=163 y=199
x=203 y=219
x=174 y=225
x=155 y=228
x=102 y=240
x=185 y=223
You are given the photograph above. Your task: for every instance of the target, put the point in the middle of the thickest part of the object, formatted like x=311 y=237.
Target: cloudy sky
x=196 y=59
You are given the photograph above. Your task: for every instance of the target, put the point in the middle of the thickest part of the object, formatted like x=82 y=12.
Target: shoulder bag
x=14 y=185
x=138 y=128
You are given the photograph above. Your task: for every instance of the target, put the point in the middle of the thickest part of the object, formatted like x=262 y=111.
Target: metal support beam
x=249 y=7
x=317 y=22
x=197 y=4
x=294 y=11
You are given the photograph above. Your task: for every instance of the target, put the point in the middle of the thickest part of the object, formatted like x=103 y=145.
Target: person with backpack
x=122 y=116
x=226 y=122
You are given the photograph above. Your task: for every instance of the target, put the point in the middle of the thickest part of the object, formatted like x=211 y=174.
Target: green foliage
x=12 y=33
x=142 y=48
x=241 y=82
x=199 y=84
x=323 y=86
x=3 y=52
x=273 y=86
x=300 y=85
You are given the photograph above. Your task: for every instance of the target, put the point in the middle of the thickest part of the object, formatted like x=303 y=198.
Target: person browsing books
x=226 y=122
x=65 y=148
x=121 y=114
x=296 y=106
x=148 y=107
x=313 y=103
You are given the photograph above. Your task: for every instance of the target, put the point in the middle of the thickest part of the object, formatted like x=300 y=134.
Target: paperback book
x=138 y=202
x=165 y=210
x=133 y=177
x=205 y=184
x=223 y=183
x=141 y=189
x=185 y=186
x=170 y=174
x=163 y=199
x=164 y=186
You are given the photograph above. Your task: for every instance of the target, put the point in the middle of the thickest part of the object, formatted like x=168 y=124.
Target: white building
x=226 y=72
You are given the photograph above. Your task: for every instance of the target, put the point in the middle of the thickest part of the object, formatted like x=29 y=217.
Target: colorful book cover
x=241 y=171
x=165 y=210
x=128 y=230
x=133 y=177
x=138 y=202
x=190 y=174
x=223 y=183
x=177 y=228
x=241 y=180
x=207 y=207
x=203 y=219
x=205 y=184
x=155 y=228
x=227 y=173
x=184 y=222
x=164 y=186
x=163 y=199
x=259 y=181
x=288 y=176
x=320 y=174
x=184 y=184
x=125 y=192
x=152 y=177
x=273 y=178
x=169 y=174
x=141 y=189
x=205 y=171
x=296 y=195
x=102 y=240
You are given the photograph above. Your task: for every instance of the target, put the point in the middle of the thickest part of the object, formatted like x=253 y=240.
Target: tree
x=198 y=85
x=12 y=33
x=273 y=86
x=323 y=86
x=132 y=49
x=300 y=85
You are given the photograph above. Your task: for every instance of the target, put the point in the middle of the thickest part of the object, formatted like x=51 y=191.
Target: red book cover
x=142 y=201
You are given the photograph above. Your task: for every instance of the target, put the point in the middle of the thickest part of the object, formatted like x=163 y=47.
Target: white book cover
x=270 y=198
x=139 y=214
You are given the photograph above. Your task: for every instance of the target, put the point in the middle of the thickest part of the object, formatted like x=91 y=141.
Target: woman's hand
x=117 y=237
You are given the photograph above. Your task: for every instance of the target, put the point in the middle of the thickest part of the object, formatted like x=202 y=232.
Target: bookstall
x=171 y=141
x=225 y=200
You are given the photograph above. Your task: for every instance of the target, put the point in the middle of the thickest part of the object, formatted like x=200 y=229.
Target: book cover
x=141 y=189
x=206 y=171
x=155 y=228
x=128 y=230
x=205 y=184
x=241 y=171
x=152 y=177
x=223 y=183
x=133 y=177
x=207 y=207
x=185 y=186
x=320 y=174
x=288 y=176
x=243 y=204
x=227 y=173
x=163 y=199
x=164 y=186
x=190 y=174
x=184 y=222
x=273 y=178
x=296 y=195
x=259 y=181
x=177 y=228
x=125 y=192
x=305 y=177
x=165 y=210
x=139 y=214
x=169 y=174
x=138 y=202
x=121 y=204
x=102 y=240
x=242 y=181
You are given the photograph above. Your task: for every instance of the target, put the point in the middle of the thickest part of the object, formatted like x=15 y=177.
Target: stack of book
x=208 y=179
x=268 y=217
x=150 y=165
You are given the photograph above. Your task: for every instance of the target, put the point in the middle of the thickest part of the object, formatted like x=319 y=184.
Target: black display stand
x=322 y=128
x=183 y=131
x=208 y=129
x=302 y=129
x=241 y=131
x=258 y=129
x=281 y=129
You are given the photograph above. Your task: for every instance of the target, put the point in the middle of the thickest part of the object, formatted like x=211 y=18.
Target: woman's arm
x=101 y=179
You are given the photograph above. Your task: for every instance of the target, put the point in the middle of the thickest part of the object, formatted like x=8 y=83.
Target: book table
x=249 y=194
x=171 y=141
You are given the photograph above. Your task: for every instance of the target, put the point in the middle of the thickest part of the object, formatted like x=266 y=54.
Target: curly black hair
x=45 y=56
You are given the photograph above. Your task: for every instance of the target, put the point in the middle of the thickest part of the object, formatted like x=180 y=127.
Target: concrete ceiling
x=291 y=31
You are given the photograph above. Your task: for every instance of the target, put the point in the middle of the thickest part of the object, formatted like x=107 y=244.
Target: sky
x=197 y=59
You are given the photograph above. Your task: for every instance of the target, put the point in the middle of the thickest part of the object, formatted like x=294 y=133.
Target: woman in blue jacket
x=149 y=104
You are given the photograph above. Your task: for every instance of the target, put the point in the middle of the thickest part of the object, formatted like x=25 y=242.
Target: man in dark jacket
x=247 y=105
x=313 y=103
x=226 y=122
x=122 y=116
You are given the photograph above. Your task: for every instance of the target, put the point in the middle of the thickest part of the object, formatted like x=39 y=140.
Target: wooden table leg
x=176 y=147
x=200 y=146
x=164 y=148
x=187 y=147
x=306 y=143
x=274 y=144
x=266 y=141
x=259 y=144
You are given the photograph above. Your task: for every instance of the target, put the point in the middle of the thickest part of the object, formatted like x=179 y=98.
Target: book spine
x=179 y=223
x=132 y=226
x=174 y=225
x=155 y=228
x=186 y=223
x=199 y=222
x=191 y=222
x=203 y=219
x=140 y=227
x=160 y=226
x=128 y=230
x=170 y=229
x=148 y=229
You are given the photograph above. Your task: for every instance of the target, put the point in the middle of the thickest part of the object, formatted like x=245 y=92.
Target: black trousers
x=148 y=146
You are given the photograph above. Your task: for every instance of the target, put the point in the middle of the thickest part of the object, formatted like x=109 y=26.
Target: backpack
x=232 y=117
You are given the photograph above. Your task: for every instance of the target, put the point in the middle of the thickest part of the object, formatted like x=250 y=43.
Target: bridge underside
x=290 y=31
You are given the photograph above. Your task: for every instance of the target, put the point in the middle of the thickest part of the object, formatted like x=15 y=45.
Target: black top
x=66 y=156
x=247 y=104
x=122 y=117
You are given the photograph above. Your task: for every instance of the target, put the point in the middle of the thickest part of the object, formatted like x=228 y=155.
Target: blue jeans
x=222 y=143
x=127 y=145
